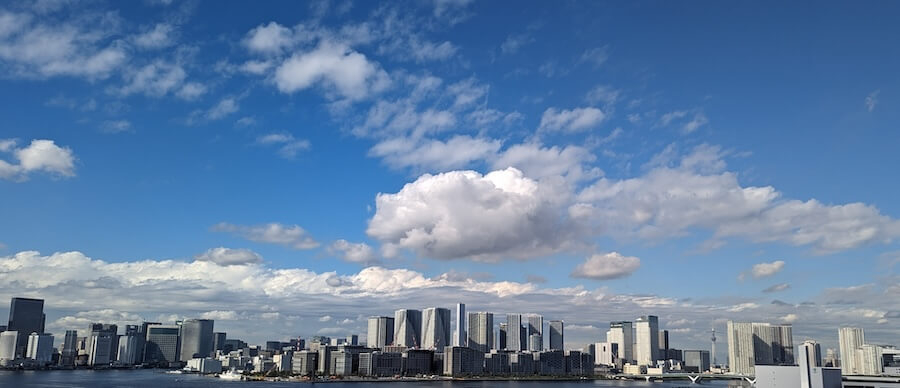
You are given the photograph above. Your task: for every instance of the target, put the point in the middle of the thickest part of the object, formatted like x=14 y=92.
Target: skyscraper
x=481 y=331
x=26 y=316
x=380 y=332
x=850 y=339
x=40 y=347
x=535 y=327
x=663 y=345
x=557 y=335
x=70 y=349
x=751 y=344
x=196 y=338
x=408 y=328
x=163 y=344
x=103 y=343
x=647 y=341
x=460 y=325
x=514 y=332
x=435 y=328
x=501 y=336
x=621 y=333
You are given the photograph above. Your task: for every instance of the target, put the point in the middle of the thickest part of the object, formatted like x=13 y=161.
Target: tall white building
x=380 y=332
x=435 y=328
x=40 y=347
x=647 y=340
x=408 y=328
x=481 y=331
x=621 y=333
x=869 y=360
x=460 y=331
x=515 y=333
x=850 y=339
x=8 y=340
x=606 y=353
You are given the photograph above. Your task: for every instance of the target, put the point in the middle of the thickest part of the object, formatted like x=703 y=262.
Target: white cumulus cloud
x=40 y=155
x=607 y=266
x=340 y=70
x=463 y=214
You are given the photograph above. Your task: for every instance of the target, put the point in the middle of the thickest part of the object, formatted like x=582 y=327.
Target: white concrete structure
x=204 y=365
x=647 y=340
x=621 y=333
x=380 y=332
x=606 y=353
x=481 y=331
x=850 y=339
x=435 y=329
x=8 y=341
x=408 y=328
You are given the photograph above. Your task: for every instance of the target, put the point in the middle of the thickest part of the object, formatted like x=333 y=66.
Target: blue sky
x=675 y=158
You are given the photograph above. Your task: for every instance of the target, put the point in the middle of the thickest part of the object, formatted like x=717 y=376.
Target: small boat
x=231 y=375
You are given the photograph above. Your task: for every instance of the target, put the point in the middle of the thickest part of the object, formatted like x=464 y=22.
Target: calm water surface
x=158 y=379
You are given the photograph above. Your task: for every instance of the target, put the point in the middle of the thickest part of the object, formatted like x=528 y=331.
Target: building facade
x=481 y=331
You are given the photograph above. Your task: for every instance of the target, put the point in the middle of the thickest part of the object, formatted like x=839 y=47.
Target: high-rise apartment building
x=481 y=331
x=751 y=344
x=26 y=316
x=663 y=344
x=435 y=329
x=535 y=327
x=460 y=331
x=557 y=335
x=622 y=334
x=647 y=340
x=501 y=336
x=850 y=339
x=380 y=332
x=408 y=328
x=514 y=332
x=196 y=339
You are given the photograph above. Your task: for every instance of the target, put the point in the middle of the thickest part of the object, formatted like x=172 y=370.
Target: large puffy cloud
x=292 y=236
x=673 y=198
x=463 y=214
x=39 y=155
x=339 y=69
x=607 y=266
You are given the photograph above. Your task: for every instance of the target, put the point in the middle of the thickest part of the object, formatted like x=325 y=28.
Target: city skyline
x=294 y=169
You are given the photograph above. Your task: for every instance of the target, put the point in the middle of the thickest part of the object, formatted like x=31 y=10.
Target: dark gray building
x=26 y=316
x=696 y=360
x=196 y=339
x=163 y=344
x=557 y=341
